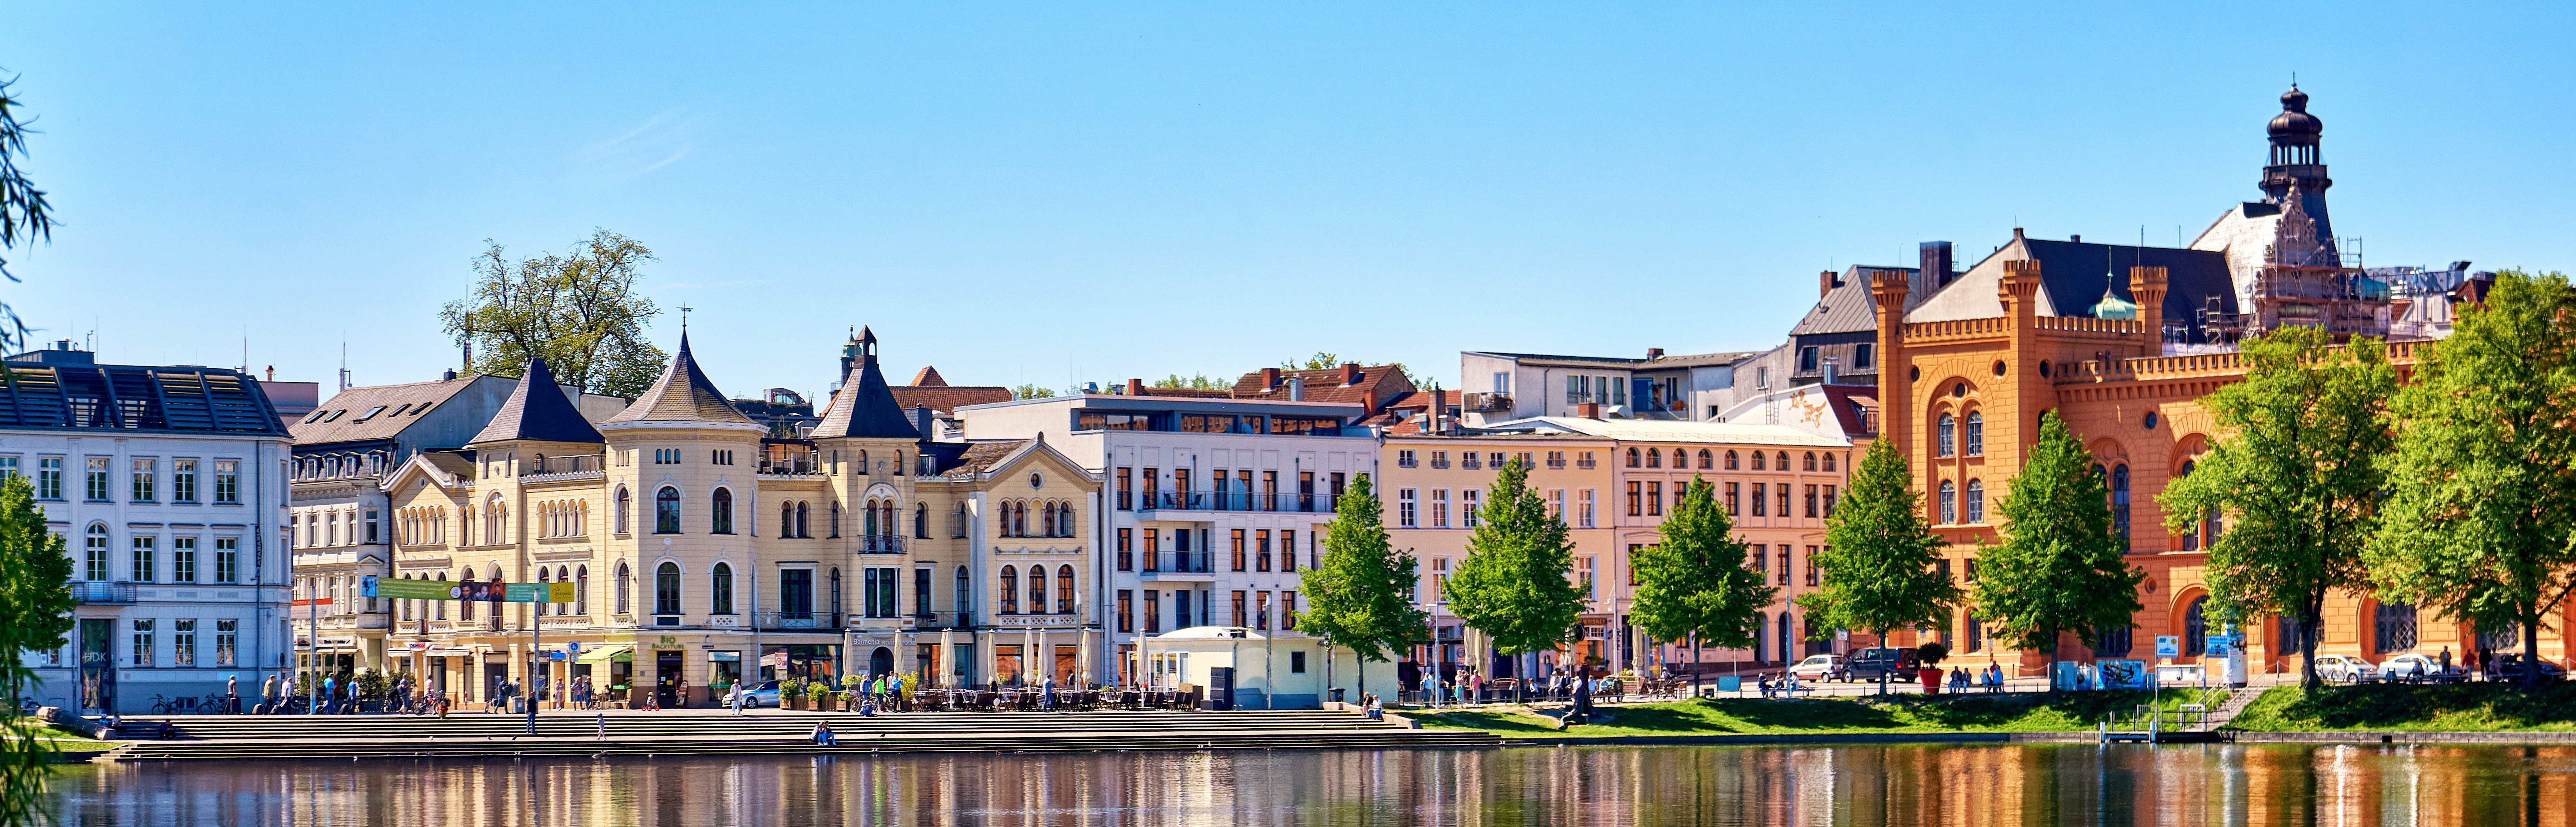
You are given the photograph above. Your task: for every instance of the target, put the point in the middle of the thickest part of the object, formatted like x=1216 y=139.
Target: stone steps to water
x=573 y=734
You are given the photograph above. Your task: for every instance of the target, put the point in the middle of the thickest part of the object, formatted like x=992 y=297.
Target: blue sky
x=1059 y=192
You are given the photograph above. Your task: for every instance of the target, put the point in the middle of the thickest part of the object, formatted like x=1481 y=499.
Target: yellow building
x=722 y=552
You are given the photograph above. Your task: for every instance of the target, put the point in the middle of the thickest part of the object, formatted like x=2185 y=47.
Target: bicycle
x=164 y=705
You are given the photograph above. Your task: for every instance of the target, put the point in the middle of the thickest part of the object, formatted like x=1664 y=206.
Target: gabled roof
x=865 y=407
x=537 y=410
x=2074 y=276
x=403 y=404
x=683 y=394
x=945 y=399
x=1376 y=384
x=928 y=378
x=1850 y=307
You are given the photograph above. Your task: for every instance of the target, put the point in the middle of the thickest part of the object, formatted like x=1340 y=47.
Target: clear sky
x=1091 y=191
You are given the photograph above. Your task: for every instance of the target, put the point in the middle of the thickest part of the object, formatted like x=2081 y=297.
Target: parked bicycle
x=164 y=705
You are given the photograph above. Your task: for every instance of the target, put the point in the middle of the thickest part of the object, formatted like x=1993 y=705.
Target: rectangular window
x=183 y=559
x=920 y=593
x=1439 y=459
x=183 y=642
x=1584 y=507
x=1403 y=508
x=1731 y=501
x=1585 y=461
x=146 y=472
x=1811 y=565
x=1467 y=506
x=1636 y=499
x=1829 y=501
x=144 y=568
x=49 y=478
x=1761 y=557
x=1126 y=549
x=1783 y=488
x=96 y=490
x=183 y=480
x=8 y=467
x=1811 y=501
x=1591 y=574
x=144 y=642
x=1287 y=550
x=1126 y=489
x=228 y=482
x=1261 y=611
x=1862 y=355
x=1556 y=503
x=1784 y=565
x=1261 y=549
x=1338 y=482
x=1238 y=549
x=1556 y=459
x=1269 y=490
x=1239 y=610
x=1759 y=509
x=1404 y=459
x=227 y=560
x=1154 y=550
x=1439 y=508
x=1153 y=611
x=1150 y=482
x=1806 y=359
x=227 y=642
x=1126 y=610
x=1654 y=499
x=1288 y=616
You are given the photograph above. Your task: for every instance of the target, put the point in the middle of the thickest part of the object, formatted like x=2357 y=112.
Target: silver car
x=2346 y=669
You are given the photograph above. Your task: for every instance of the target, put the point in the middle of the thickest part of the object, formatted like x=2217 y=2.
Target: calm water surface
x=1862 y=785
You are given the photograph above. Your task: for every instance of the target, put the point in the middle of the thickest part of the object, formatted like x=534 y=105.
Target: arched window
x=786 y=520
x=1010 y=590
x=1976 y=435
x=871 y=524
x=1759 y=461
x=1706 y=459
x=1811 y=460
x=2188 y=539
x=2120 y=504
x=1976 y=504
x=581 y=590
x=438 y=608
x=965 y=594
x=887 y=518
x=1634 y=461
x=921 y=520
x=1047 y=520
x=465 y=608
x=2393 y=627
x=720 y=517
x=1020 y=523
x=1730 y=459
x=1945 y=436
x=625 y=588
x=863 y=463
x=800 y=520
x=1654 y=458
x=1949 y=502
x=94 y=552
x=720 y=590
x=835 y=508
x=836 y=590
x=1037 y=590
x=2195 y=628
x=666 y=589
x=666 y=511
x=496 y=528
x=1064 y=590
x=1780 y=460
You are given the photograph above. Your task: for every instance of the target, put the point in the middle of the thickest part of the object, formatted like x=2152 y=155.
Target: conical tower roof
x=865 y=407
x=683 y=394
x=537 y=410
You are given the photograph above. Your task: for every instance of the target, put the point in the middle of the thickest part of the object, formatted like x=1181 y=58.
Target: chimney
x=1654 y=353
x=1934 y=260
x=1350 y=374
x=450 y=375
x=1588 y=410
x=1824 y=282
x=1296 y=390
x=2074 y=239
x=1269 y=378
x=1832 y=370
x=1135 y=387
x=923 y=421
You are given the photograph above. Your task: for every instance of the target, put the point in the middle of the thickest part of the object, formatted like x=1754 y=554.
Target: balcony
x=1488 y=402
x=797 y=620
x=1178 y=562
x=101 y=592
x=1236 y=501
x=803 y=465
x=880 y=544
x=561 y=467
x=943 y=620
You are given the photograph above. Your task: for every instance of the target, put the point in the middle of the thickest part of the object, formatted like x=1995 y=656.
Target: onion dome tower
x=2295 y=161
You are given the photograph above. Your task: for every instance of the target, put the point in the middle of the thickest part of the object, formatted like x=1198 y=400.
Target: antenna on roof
x=344 y=360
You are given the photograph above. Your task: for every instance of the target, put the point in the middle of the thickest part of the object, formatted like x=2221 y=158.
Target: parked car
x=2346 y=669
x=766 y=694
x=1868 y=664
x=2410 y=668
x=1819 y=668
x=2508 y=667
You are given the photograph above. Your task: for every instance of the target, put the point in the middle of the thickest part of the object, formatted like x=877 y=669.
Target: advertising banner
x=399 y=589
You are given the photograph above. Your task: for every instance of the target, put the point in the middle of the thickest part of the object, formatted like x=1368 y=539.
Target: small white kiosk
x=1288 y=672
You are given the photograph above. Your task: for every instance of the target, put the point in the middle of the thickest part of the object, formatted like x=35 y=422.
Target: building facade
x=168 y=487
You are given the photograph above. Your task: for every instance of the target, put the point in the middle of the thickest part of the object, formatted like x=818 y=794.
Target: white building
x=1503 y=387
x=166 y=484
x=1213 y=506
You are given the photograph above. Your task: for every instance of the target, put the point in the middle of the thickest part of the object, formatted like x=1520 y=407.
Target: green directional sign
x=539 y=593
x=399 y=589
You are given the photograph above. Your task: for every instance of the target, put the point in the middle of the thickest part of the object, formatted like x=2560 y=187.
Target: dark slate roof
x=983 y=457
x=65 y=394
x=403 y=404
x=865 y=407
x=537 y=410
x=2076 y=274
x=1850 y=307
x=683 y=394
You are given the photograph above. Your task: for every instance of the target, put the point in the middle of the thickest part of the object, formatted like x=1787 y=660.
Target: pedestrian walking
x=232 y=694
x=603 y=726
x=268 y=693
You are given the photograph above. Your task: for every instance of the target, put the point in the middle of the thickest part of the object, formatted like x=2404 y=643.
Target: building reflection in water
x=2256 y=786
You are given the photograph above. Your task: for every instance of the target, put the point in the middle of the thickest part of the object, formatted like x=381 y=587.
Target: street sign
x=2219 y=645
x=2168 y=646
x=399 y=589
x=572 y=646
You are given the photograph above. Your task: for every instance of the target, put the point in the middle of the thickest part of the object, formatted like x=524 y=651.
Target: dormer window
x=370 y=414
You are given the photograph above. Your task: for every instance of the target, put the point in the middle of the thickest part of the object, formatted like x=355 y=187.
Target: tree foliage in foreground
x=1358 y=595
x=1693 y=586
x=1879 y=567
x=2060 y=568
x=1514 y=585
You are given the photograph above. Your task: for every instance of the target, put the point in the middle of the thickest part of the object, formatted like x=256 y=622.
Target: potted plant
x=791 y=693
x=1931 y=655
x=817 y=691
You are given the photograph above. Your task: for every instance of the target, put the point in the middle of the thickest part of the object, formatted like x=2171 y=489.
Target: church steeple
x=2296 y=166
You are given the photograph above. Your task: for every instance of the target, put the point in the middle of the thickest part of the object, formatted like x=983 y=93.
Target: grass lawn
x=2068 y=712
x=2467 y=707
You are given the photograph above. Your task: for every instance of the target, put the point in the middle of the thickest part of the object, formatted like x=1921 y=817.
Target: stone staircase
x=769 y=732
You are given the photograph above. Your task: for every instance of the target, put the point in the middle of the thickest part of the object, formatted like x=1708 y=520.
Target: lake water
x=1860 y=785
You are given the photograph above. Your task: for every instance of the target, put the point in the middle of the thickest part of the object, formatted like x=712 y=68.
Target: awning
x=620 y=654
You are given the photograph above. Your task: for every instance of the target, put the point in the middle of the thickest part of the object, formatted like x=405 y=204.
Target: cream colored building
x=702 y=549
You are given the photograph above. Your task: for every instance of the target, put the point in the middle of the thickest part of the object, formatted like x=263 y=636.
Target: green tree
x=1028 y=391
x=23 y=212
x=1693 y=585
x=1514 y=585
x=1322 y=360
x=2481 y=520
x=580 y=311
x=2295 y=470
x=2060 y=568
x=1199 y=382
x=1358 y=593
x=35 y=614
x=1878 y=566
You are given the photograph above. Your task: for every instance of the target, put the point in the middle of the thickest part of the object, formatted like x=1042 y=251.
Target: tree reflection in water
x=1858 y=785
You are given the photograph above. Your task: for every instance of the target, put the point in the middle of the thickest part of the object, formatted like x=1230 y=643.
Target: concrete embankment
x=772 y=733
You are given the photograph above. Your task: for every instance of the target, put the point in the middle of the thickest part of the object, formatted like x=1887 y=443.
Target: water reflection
x=1868 y=785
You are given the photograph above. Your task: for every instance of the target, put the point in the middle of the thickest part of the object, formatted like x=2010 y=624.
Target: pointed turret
x=538 y=411
x=683 y=394
x=865 y=406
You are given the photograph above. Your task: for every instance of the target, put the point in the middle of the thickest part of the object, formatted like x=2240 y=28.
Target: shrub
x=1932 y=654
